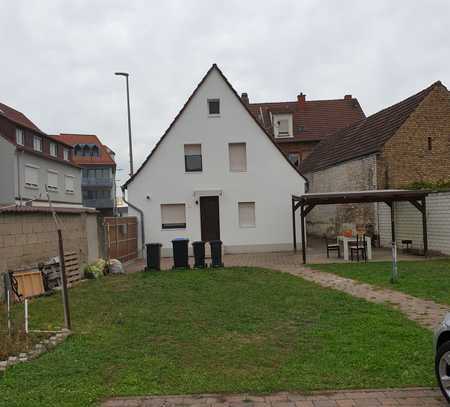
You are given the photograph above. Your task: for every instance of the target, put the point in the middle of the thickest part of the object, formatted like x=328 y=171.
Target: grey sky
x=58 y=58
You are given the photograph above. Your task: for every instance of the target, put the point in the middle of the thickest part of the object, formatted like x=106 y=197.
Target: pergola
x=308 y=201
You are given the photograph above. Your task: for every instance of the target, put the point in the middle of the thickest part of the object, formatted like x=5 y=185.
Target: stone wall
x=407 y=158
x=27 y=238
x=354 y=175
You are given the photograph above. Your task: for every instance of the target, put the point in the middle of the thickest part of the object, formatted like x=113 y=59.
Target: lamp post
x=126 y=75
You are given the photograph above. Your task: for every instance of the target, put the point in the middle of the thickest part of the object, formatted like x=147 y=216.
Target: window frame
x=283 y=116
x=37 y=139
x=173 y=225
x=209 y=102
x=240 y=223
x=53 y=145
x=186 y=156
x=245 y=155
x=28 y=184
x=69 y=191
x=53 y=188
x=66 y=154
x=298 y=159
x=20 y=132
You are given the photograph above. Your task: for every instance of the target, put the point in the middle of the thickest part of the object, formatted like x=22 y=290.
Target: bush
x=95 y=270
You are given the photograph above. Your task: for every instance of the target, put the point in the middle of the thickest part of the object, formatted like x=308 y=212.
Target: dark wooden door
x=209 y=218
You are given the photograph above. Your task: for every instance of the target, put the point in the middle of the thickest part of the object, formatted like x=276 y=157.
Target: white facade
x=254 y=198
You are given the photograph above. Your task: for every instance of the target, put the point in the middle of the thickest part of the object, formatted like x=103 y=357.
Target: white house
x=216 y=174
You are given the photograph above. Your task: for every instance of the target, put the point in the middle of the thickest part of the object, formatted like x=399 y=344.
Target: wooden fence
x=121 y=238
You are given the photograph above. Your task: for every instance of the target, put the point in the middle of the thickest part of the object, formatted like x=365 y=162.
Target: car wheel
x=442 y=368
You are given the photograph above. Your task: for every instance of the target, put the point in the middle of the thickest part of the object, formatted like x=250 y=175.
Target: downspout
x=141 y=213
x=19 y=185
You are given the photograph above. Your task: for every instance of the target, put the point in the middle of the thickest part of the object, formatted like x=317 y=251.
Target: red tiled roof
x=364 y=137
x=314 y=119
x=74 y=139
x=18 y=117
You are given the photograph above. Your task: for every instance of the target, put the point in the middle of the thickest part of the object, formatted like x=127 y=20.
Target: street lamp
x=125 y=74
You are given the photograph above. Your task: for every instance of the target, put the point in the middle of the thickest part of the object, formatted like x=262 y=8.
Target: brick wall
x=354 y=175
x=406 y=157
x=29 y=238
x=409 y=223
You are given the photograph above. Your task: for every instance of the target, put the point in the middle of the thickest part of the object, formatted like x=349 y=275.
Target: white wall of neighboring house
x=269 y=180
x=408 y=222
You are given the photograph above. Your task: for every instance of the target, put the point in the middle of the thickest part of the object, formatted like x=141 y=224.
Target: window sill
x=238 y=171
x=288 y=136
x=214 y=116
x=31 y=186
x=247 y=226
x=193 y=172
x=70 y=193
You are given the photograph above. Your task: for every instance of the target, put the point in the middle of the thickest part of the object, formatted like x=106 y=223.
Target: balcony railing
x=100 y=182
x=99 y=203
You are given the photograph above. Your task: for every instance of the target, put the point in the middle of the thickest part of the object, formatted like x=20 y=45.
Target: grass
x=228 y=330
x=429 y=280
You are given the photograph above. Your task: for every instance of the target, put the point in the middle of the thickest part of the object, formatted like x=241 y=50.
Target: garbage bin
x=199 y=254
x=153 y=256
x=180 y=253
x=216 y=253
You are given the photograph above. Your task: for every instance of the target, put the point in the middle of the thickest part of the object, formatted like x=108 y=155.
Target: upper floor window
x=19 y=137
x=37 y=143
x=213 y=107
x=193 y=157
x=31 y=176
x=70 y=184
x=237 y=157
x=66 y=154
x=52 y=180
x=53 y=149
x=282 y=125
x=294 y=158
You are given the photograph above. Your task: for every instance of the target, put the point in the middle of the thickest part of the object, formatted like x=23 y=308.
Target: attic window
x=282 y=125
x=213 y=107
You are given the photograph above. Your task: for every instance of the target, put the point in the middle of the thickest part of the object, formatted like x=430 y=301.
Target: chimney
x=348 y=97
x=301 y=99
x=245 y=99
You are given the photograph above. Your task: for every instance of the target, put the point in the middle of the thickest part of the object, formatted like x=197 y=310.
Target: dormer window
x=19 y=137
x=282 y=125
x=37 y=143
x=53 y=149
x=214 y=107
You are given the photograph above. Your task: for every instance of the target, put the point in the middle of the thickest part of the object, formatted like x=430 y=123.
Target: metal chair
x=332 y=247
x=360 y=247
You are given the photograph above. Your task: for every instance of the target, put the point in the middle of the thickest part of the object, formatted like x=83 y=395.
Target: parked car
x=442 y=360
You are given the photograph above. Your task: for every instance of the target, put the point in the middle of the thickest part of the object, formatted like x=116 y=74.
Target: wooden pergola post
x=294 y=227
x=302 y=215
x=424 y=227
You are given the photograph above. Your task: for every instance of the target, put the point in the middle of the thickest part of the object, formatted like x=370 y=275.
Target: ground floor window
x=247 y=218
x=173 y=216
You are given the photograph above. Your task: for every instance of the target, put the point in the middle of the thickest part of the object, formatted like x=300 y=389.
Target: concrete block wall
x=409 y=223
x=29 y=238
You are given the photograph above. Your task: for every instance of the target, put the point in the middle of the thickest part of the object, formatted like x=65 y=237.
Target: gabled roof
x=213 y=67
x=365 y=137
x=104 y=157
x=18 y=117
x=313 y=120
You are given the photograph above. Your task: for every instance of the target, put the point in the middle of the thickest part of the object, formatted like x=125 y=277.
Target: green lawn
x=424 y=279
x=227 y=330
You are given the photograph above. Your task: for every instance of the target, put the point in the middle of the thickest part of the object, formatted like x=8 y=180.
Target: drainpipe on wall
x=141 y=213
x=19 y=185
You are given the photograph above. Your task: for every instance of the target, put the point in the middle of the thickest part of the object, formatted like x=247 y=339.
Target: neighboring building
x=30 y=160
x=299 y=126
x=401 y=145
x=216 y=174
x=99 y=169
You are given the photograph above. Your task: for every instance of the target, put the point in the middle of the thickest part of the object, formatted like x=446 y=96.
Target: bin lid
x=178 y=239
x=153 y=244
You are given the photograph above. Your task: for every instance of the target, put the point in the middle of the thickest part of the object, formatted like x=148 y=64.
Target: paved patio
x=390 y=397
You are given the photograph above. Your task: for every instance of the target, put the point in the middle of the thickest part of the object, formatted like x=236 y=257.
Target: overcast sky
x=58 y=58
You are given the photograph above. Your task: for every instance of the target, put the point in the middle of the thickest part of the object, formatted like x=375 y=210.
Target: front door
x=209 y=218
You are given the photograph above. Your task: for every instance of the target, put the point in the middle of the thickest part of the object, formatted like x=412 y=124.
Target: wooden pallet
x=73 y=272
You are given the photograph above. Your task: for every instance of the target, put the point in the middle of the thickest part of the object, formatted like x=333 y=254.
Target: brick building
x=403 y=144
x=298 y=126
